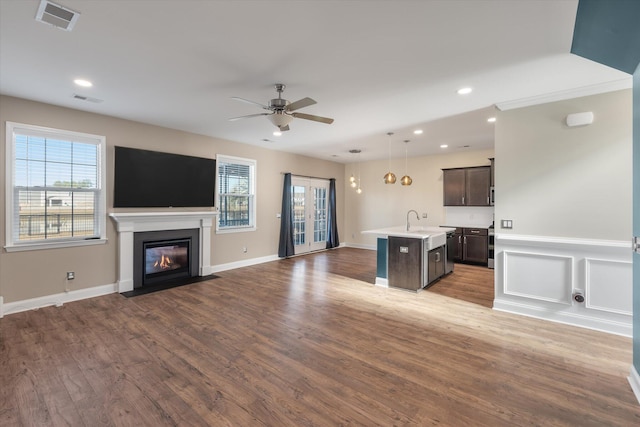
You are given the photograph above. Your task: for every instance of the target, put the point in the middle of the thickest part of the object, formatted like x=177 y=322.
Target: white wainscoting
x=603 y=293
x=538 y=276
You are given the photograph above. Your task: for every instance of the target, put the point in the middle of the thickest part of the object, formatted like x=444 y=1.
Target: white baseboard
x=634 y=381
x=61 y=298
x=360 y=246
x=574 y=319
x=382 y=282
x=244 y=263
x=56 y=299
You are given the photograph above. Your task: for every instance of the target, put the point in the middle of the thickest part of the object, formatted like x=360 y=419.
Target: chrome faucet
x=417 y=216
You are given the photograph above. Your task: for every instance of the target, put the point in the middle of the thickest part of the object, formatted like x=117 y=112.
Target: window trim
x=13 y=246
x=253 y=164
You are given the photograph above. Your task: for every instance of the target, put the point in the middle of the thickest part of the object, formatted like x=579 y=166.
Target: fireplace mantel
x=128 y=223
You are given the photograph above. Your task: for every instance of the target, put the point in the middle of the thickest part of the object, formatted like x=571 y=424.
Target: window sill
x=235 y=230
x=53 y=245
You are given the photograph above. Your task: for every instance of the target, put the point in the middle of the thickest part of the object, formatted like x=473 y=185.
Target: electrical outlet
x=244 y=249
x=71 y=275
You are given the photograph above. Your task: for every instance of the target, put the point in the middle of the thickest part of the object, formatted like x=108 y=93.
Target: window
x=56 y=188
x=236 y=194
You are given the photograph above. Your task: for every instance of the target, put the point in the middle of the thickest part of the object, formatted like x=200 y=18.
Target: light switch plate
x=506 y=223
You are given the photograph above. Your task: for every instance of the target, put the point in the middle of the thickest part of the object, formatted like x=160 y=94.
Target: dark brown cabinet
x=458 y=247
x=466 y=186
x=435 y=269
x=475 y=245
x=405 y=263
x=471 y=245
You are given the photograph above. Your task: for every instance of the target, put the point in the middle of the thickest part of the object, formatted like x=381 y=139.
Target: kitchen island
x=410 y=259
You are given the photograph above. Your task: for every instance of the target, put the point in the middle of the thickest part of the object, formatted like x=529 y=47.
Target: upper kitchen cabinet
x=493 y=171
x=467 y=186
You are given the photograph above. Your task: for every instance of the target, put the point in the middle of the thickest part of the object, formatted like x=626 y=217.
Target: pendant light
x=406 y=179
x=352 y=179
x=359 y=189
x=390 y=177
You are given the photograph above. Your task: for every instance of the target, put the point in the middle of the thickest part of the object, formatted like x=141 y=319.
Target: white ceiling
x=373 y=66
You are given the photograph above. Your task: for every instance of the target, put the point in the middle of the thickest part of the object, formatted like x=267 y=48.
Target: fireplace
x=164 y=256
x=129 y=224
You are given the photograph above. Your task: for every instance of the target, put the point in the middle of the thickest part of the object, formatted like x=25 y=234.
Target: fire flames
x=164 y=262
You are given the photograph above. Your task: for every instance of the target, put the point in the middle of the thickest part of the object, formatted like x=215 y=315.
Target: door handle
x=635 y=244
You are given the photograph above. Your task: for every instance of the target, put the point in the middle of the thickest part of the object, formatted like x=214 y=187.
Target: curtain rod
x=305 y=176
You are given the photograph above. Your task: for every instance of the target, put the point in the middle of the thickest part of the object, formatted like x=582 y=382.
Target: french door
x=310 y=200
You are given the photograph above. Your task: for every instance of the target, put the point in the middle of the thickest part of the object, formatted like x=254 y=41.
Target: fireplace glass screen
x=166 y=258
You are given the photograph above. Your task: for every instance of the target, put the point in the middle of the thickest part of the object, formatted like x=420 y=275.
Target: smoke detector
x=56 y=15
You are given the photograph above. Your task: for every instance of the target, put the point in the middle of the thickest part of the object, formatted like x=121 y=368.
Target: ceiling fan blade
x=249 y=116
x=301 y=103
x=250 y=102
x=312 y=117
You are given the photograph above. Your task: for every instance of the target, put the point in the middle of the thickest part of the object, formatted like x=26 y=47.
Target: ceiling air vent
x=87 y=98
x=56 y=15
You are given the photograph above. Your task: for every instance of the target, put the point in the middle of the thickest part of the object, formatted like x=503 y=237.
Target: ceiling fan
x=282 y=112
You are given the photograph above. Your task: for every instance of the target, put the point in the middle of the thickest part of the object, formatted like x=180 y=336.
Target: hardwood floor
x=469 y=283
x=306 y=341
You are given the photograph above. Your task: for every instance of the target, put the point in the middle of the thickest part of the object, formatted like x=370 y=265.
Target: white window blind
x=236 y=193
x=56 y=183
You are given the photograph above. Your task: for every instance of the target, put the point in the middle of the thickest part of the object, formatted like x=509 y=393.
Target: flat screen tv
x=151 y=179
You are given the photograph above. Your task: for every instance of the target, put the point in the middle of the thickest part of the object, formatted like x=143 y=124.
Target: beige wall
x=32 y=274
x=552 y=180
x=383 y=205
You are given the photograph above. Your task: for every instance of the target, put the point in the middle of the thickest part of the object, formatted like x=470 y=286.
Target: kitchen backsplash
x=479 y=216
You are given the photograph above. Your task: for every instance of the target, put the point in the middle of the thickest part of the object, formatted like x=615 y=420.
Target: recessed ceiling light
x=83 y=83
x=418 y=132
x=491 y=119
x=277 y=133
x=444 y=146
x=464 y=90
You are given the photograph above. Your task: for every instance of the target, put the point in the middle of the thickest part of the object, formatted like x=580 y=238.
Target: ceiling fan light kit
x=280 y=120
x=282 y=112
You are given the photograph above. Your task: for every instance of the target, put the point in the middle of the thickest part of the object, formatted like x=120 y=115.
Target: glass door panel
x=299 y=215
x=310 y=200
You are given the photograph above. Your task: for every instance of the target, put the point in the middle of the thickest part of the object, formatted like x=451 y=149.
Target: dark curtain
x=332 y=239
x=285 y=248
